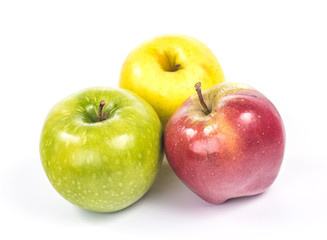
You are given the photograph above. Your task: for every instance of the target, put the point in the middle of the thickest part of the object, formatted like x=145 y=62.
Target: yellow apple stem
x=175 y=68
x=197 y=87
x=100 y=113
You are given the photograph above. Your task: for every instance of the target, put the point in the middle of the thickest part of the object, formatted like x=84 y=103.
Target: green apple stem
x=197 y=87
x=100 y=113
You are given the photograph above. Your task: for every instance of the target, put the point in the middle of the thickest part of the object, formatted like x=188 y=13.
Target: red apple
x=227 y=144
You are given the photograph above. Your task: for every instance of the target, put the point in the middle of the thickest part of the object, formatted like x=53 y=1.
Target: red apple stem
x=197 y=87
x=100 y=113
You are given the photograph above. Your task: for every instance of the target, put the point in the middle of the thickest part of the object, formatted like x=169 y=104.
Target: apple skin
x=102 y=166
x=236 y=150
x=149 y=71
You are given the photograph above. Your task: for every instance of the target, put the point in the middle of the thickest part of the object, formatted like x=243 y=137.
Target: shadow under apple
x=30 y=193
x=169 y=192
x=33 y=194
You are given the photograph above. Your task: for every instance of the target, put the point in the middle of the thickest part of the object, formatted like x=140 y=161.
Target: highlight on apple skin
x=162 y=71
x=234 y=150
x=101 y=148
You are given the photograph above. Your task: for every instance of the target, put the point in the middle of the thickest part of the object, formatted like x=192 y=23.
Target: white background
x=50 y=49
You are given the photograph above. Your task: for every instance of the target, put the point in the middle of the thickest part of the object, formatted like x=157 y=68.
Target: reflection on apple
x=226 y=142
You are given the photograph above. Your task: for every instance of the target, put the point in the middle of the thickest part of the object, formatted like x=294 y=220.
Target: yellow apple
x=164 y=70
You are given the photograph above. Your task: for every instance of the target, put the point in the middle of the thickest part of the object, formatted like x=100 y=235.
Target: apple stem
x=175 y=68
x=100 y=113
x=197 y=87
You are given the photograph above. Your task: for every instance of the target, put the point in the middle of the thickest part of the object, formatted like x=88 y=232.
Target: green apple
x=101 y=148
x=163 y=71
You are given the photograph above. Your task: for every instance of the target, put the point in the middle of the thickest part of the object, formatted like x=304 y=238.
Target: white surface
x=50 y=49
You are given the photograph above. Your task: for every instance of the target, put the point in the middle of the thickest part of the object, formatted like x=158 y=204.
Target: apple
x=225 y=143
x=163 y=71
x=101 y=148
